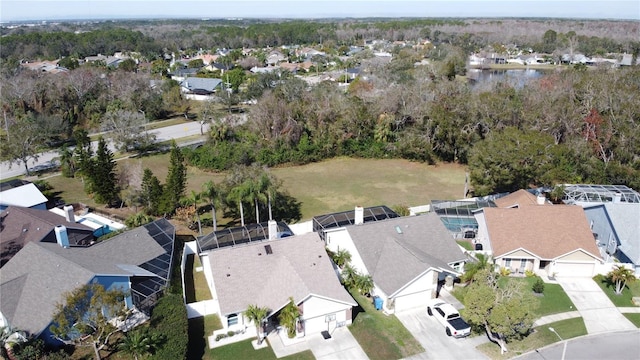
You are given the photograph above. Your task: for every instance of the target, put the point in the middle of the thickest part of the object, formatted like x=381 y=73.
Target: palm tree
x=67 y=161
x=257 y=315
x=210 y=192
x=620 y=276
x=364 y=283
x=342 y=258
x=289 y=317
x=257 y=194
x=195 y=199
x=240 y=193
x=472 y=268
x=136 y=343
x=348 y=276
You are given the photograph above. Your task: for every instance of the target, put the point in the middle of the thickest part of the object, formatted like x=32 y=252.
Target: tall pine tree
x=103 y=175
x=176 y=183
x=151 y=192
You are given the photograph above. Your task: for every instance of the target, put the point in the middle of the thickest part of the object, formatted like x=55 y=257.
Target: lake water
x=481 y=79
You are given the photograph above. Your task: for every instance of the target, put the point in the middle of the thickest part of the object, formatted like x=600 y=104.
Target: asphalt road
x=162 y=134
x=615 y=345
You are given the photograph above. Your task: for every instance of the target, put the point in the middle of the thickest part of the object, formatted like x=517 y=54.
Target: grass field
x=244 y=350
x=634 y=318
x=554 y=300
x=541 y=337
x=380 y=336
x=623 y=300
x=324 y=187
x=196 y=288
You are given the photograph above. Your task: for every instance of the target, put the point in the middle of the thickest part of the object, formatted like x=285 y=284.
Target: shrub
x=169 y=318
x=505 y=271
x=529 y=273
x=220 y=337
x=230 y=333
x=538 y=286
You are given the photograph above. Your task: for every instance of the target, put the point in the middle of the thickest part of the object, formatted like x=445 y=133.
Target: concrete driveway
x=431 y=335
x=341 y=346
x=597 y=311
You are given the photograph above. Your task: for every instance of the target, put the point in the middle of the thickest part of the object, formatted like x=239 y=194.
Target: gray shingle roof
x=396 y=251
x=23 y=225
x=45 y=271
x=207 y=84
x=626 y=220
x=299 y=266
x=46 y=277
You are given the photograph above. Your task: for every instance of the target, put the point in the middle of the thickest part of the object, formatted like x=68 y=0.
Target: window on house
x=523 y=264
x=232 y=319
x=507 y=263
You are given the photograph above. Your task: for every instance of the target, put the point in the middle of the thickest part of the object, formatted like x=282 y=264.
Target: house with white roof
x=21 y=193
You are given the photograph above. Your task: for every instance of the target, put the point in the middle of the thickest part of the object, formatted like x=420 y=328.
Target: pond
x=483 y=79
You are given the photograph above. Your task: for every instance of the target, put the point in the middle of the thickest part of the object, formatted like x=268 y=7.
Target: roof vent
x=398 y=230
x=268 y=249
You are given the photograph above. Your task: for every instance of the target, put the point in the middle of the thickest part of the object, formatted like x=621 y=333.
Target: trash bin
x=377 y=302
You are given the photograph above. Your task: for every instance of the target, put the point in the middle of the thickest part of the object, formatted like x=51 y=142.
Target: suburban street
x=613 y=345
x=162 y=134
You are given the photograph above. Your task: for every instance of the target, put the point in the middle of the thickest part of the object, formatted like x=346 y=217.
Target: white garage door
x=413 y=300
x=574 y=269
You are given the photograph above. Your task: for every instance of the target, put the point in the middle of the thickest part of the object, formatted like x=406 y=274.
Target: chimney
x=273 y=229
x=359 y=216
x=61 y=236
x=540 y=199
x=617 y=197
x=68 y=213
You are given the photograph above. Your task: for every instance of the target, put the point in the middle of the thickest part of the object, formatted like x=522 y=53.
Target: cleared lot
x=437 y=344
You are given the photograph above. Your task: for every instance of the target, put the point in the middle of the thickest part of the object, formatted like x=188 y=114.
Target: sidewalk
x=598 y=312
x=556 y=317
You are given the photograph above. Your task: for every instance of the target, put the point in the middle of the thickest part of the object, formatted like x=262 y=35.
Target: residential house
x=51 y=67
x=21 y=193
x=275 y=57
x=36 y=279
x=520 y=198
x=616 y=227
x=200 y=88
x=21 y=226
x=554 y=240
x=219 y=67
x=267 y=273
x=181 y=73
x=407 y=257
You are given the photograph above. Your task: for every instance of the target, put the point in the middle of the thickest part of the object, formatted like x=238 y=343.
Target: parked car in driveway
x=449 y=317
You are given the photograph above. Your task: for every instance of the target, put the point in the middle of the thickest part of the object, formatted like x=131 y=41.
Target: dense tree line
x=569 y=126
x=151 y=38
x=58 y=44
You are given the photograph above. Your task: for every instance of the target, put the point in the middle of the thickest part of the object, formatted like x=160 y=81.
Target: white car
x=449 y=317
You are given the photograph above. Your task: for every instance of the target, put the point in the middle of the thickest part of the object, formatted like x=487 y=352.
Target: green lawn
x=201 y=328
x=380 y=336
x=244 y=350
x=541 y=337
x=622 y=300
x=342 y=183
x=321 y=188
x=634 y=318
x=554 y=301
x=196 y=288
x=465 y=244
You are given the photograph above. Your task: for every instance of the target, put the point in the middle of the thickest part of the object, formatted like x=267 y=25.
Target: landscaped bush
x=529 y=273
x=169 y=318
x=538 y=286
x=505 y=271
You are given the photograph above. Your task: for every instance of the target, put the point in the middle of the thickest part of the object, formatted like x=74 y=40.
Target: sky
x=22 y=10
